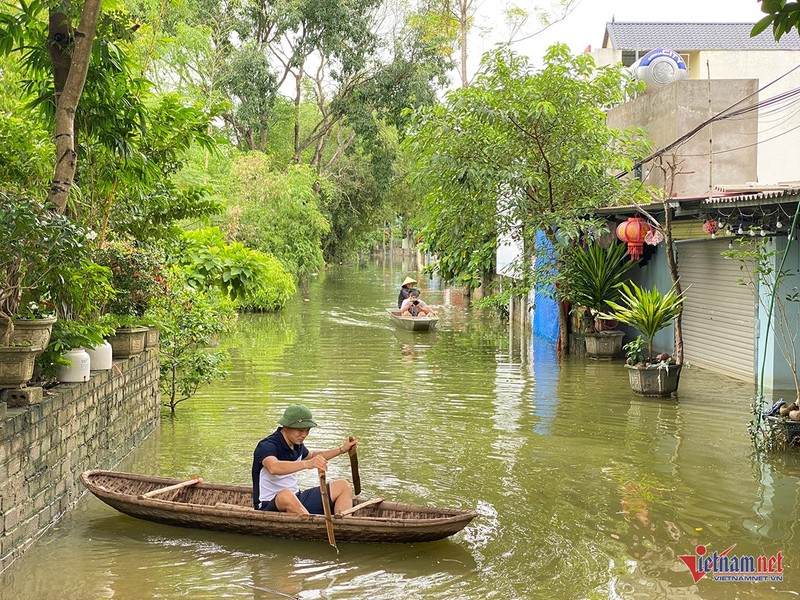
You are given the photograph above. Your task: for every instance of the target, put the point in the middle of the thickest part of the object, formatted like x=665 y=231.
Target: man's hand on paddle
x=348 y=445
x=318 y=462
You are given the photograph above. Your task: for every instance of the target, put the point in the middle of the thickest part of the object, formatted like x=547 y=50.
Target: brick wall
x=46 y=445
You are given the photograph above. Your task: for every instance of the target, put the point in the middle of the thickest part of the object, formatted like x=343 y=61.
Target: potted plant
x=129 y=337
x=81 y=327
x=16 y=364
x=137 y=276
x=37 y=245
x=592 y=277
x=649 y=311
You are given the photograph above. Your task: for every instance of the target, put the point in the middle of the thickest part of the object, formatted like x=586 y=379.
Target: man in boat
x=405 y=290
x=280 y=456
x=414 y=307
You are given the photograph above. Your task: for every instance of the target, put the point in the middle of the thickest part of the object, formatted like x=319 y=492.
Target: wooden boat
x=412 y=323
x=224 y=507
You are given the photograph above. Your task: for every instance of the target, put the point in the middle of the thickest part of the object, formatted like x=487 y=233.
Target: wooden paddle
x=354 y=468
x=326 y=507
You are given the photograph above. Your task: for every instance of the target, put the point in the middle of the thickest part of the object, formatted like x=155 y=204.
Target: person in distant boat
x=405 y=289
x=414 y=307
x=280 y=456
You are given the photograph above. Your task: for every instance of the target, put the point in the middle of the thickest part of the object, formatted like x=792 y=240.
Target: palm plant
x=649 y=311
x=592 y=276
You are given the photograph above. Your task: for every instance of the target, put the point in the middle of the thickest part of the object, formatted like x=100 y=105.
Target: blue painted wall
x=545 y=318
x=545 y=308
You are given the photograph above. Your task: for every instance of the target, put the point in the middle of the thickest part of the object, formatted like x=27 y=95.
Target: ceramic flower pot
x=35 y=332
x=128 y=341
x=16 y=365
x=605 y=344
x=78 y=369
x=101 y=357
x=654 y=381
x=153 y=336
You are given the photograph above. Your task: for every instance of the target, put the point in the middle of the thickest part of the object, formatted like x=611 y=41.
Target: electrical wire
x=760 y=132
x=741 y=147
x=718 y=117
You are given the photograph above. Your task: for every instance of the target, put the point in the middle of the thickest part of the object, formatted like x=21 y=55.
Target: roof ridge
x=690 y=36
x=681 y=22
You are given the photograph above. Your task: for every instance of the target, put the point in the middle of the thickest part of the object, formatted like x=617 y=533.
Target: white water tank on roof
x=659 y=67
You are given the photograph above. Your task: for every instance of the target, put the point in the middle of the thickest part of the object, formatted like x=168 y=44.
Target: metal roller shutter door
x=719 y=314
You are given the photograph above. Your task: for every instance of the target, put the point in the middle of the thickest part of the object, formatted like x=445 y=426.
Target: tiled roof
x=686 y=37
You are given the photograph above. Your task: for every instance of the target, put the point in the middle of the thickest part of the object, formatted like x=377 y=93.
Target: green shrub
x=137 y=275
x=255 y=280
x=190 y=322
x=278 y=213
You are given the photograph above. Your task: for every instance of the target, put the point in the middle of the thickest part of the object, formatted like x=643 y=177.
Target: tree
x=670 y=169
x=328 y=85
x=457 y=20
x=190 y=321
x=76 y=64
x=523 y=151
x=277 y=212
x=128 y=141
x=783 y=16
x=70 y=51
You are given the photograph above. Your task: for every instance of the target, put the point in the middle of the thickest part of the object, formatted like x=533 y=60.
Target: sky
x=585 y=26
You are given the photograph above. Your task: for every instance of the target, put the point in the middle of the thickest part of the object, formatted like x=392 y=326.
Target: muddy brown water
x=584 y=489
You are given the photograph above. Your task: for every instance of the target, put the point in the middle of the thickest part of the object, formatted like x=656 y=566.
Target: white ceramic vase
x=78 y=369
x=100 y=356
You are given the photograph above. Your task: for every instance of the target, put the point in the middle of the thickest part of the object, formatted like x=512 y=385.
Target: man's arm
x=334 y=452
x=285 y=467
x=426 y=308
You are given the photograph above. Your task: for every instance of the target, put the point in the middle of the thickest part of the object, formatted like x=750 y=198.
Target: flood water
x=584 y=489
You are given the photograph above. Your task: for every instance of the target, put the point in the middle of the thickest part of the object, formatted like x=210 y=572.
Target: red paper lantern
x=632 y=232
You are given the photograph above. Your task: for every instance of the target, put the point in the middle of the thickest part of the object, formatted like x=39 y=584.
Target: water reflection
x=584 y=490
x=544 y=369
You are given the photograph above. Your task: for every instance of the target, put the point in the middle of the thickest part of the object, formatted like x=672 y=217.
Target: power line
x=740 y=147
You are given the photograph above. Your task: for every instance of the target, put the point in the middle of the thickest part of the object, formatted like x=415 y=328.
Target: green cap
x=297 y=416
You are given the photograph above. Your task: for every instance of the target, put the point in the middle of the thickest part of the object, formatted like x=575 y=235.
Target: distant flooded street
x=584 y=490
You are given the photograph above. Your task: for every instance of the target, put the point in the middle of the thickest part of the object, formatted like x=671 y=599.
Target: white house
x=719 y=52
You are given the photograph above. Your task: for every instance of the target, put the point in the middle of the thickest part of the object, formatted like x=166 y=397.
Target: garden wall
x=45 y=446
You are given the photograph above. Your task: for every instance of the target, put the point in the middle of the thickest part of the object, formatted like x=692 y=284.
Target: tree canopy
x=783 y=16
x=519 y=151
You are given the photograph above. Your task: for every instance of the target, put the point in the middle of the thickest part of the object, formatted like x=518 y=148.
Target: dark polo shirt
x=273 y=445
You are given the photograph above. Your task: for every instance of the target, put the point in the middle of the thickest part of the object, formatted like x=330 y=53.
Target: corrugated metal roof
x=729 y=194
x=722 y=196
x=687 y=37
